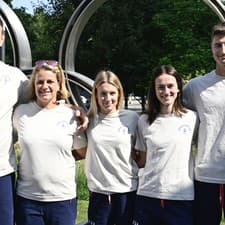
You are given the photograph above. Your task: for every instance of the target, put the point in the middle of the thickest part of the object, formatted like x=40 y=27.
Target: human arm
x=79 y=154
x=81 y=116
x=139 y=157
x=79 y=145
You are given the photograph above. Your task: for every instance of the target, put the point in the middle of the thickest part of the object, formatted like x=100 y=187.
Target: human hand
x=82 y=119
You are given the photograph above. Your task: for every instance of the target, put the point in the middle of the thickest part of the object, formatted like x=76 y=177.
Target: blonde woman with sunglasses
x=46 y=186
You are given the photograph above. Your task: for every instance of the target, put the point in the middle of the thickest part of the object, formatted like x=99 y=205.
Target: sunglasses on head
x=41 y=63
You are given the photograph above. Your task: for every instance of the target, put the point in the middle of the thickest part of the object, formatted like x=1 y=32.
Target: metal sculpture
x=78 y=84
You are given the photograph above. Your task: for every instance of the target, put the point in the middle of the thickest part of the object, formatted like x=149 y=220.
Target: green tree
x=129 y=37
x=186 y=35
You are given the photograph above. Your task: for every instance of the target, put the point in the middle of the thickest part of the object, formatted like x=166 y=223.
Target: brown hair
x=153 y=106
x=218 y=29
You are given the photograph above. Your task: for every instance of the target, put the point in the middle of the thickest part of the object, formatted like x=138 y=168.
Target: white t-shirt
x=46 y=167
x=168 y=171
x=13 y=87
x=206 y=95
x=109 y=167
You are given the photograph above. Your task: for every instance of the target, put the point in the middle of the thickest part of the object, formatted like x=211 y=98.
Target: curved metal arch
x=21 y=47
x=75 y=27
x=69 y=42
x=73 y=30
x=218 y=7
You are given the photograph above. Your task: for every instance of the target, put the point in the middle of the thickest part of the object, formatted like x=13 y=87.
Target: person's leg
x=147 y=211
x=60 y=212
x=207 y=209
x=29 y=212
x=178 y=212
x=7 y=199
x=99 y=209
x=122 y=208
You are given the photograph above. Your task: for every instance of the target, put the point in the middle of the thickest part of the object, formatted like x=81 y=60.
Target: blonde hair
x=105 y=76
x=62 y=93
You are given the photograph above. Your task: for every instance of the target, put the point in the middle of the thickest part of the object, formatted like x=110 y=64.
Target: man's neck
x=220 y=70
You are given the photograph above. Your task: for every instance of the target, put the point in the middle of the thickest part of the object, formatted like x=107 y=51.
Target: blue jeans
x=7 y=199
x=111 y=209
x=153 y=211
x=30 y=212
x=207 y=205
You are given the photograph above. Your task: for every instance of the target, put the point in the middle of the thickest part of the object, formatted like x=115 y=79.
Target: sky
x=28 y=4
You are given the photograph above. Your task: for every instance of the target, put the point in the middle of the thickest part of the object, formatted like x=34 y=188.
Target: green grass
x=82 y=192
x=82 y=206
x=223 y=221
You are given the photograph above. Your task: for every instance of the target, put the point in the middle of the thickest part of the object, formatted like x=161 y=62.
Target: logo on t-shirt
x=63 y=124
x=123 y=130
x=184 y=129
x=4 y=80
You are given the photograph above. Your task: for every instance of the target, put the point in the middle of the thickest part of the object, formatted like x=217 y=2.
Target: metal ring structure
x=20 y=44
x=218 y=7
x=76 y=25
x=70 y=39
x=69 y=42
x=68 y=46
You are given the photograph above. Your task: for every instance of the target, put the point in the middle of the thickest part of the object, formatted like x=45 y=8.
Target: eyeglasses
x=41 y=63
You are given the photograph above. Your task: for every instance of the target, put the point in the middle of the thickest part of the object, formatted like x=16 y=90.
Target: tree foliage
x=129 y=37
x=132 y=37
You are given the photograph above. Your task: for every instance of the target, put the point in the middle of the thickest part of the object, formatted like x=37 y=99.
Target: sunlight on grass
x=82 y=192
x=82 y=206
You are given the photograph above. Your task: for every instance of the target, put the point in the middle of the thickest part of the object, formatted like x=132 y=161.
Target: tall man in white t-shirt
x=206 y=95
x=13 y=85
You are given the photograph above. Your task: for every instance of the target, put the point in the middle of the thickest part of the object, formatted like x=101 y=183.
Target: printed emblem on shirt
x=184 y=129
x=62 y=124
x=123 y=130
x=4 y=80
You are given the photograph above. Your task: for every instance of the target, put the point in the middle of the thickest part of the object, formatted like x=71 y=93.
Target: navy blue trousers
x=7 y=199
x=153 y=211
x=30 y=212
x=114 y=209
x=209 y=203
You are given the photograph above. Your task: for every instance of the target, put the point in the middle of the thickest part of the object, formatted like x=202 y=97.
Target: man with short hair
x=206 y=95
x=13 y=89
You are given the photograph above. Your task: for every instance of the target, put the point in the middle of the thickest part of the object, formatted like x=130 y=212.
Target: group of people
x=175 y=185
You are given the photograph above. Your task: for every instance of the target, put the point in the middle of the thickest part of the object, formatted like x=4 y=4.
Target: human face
x=166 y=89
x=107 y=98
x=218 y=50
x=46 y=87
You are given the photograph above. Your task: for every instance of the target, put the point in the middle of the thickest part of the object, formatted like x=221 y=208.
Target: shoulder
x=143 y=119
x=128 y=114
x=12 y=71
x=200 y=79
x=190 y=115
x=22 y=108
x=65 y=108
